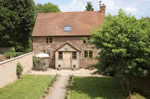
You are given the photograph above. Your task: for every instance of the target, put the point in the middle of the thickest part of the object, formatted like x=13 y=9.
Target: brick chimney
x=102 y=8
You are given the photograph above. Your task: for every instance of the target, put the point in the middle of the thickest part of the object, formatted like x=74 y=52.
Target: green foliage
x=89 y=6
x=74 y=66
x=124 y=43
x=36 y=61
x=46 y=8
x=19 y=70
x=46 y=91
x=66 y=97
x=11 y=53
x=16 y=23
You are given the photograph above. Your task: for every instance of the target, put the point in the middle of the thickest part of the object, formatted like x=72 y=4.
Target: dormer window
x=67 y=29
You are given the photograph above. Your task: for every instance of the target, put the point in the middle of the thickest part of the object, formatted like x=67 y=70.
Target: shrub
x=46 y=91
x=74 y=66
x=11 y=53
x=67 y=93
x=19 y=70
x=36 y=63
x=40 y=63
x=43 y=95
x=66 y=97
x=59 y=65
x=12 y=49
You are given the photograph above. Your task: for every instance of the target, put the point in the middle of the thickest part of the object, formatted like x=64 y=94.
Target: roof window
x=67 y=29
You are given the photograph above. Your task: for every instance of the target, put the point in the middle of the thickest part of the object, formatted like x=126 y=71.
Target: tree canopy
x=16 y=23
x=46 y=8
x=89 y=6
x=124 y=42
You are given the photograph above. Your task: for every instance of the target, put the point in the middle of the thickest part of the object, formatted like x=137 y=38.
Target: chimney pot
x=102 y=8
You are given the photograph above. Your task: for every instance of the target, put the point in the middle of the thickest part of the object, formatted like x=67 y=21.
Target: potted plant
x=74 y=67
x=59 y=67
x=19 y=70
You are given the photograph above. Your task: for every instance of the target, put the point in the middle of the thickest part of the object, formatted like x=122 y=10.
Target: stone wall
x=8 y=68
x=40 y=44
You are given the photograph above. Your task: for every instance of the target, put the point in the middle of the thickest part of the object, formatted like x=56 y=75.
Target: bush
x=19 y=53
x=19 y=70
x=40 y=64
x=74 y=66
x=46 y=91
x=66 y=97
x=11 y=53
x=36 y=63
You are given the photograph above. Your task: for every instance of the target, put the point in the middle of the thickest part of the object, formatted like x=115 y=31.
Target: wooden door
x=67 y=59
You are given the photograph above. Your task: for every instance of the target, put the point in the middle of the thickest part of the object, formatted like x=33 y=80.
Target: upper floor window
x=74 y=55
x=67 y=29
x=49 y=40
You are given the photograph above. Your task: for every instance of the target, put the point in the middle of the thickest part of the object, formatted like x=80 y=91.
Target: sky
x=139 y=8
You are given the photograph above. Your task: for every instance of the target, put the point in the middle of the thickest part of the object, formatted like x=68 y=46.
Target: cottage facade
x=62 y=35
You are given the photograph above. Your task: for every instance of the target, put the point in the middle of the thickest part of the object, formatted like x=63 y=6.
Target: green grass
x=99 y=88
x=96 y=88
x=29 y=87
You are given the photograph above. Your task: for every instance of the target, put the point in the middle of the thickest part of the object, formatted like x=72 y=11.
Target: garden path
x=58 y=90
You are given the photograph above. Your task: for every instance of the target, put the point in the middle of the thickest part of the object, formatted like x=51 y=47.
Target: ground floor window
x=88 y=53
x=85 y=54
x=74 y=55
x=60 y=55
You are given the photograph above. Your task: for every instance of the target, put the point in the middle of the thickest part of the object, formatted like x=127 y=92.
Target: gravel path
x=80 y=72
x=58 y=91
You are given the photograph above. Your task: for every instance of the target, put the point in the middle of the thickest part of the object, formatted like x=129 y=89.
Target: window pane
x=50 y=40
x=90 y=54
x=74 y=55
x=46 y=40
x=85 y=53
x=60 y=55
x=67 y=29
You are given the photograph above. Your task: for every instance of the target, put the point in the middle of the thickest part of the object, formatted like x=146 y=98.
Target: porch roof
x=69 y=43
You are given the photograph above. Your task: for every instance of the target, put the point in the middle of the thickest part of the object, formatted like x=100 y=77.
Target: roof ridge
x=70 y=12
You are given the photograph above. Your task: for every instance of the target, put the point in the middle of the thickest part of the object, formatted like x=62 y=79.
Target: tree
x=16 y=23
x=125 y=48
x=125 y=45
x=46 y=8
x=89 y=6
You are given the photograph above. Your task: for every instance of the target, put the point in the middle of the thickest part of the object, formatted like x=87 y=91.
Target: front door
x=67 y=59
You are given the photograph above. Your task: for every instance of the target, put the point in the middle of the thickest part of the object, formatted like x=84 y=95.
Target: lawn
x=97 y=88
x=29 y=87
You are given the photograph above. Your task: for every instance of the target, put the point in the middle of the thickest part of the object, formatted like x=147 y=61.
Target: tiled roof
x=52 y=24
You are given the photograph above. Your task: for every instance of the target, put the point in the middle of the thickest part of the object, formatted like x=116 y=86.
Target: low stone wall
x=8 y=68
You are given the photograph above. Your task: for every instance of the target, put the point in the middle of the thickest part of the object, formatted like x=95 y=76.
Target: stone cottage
x=62 y=35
